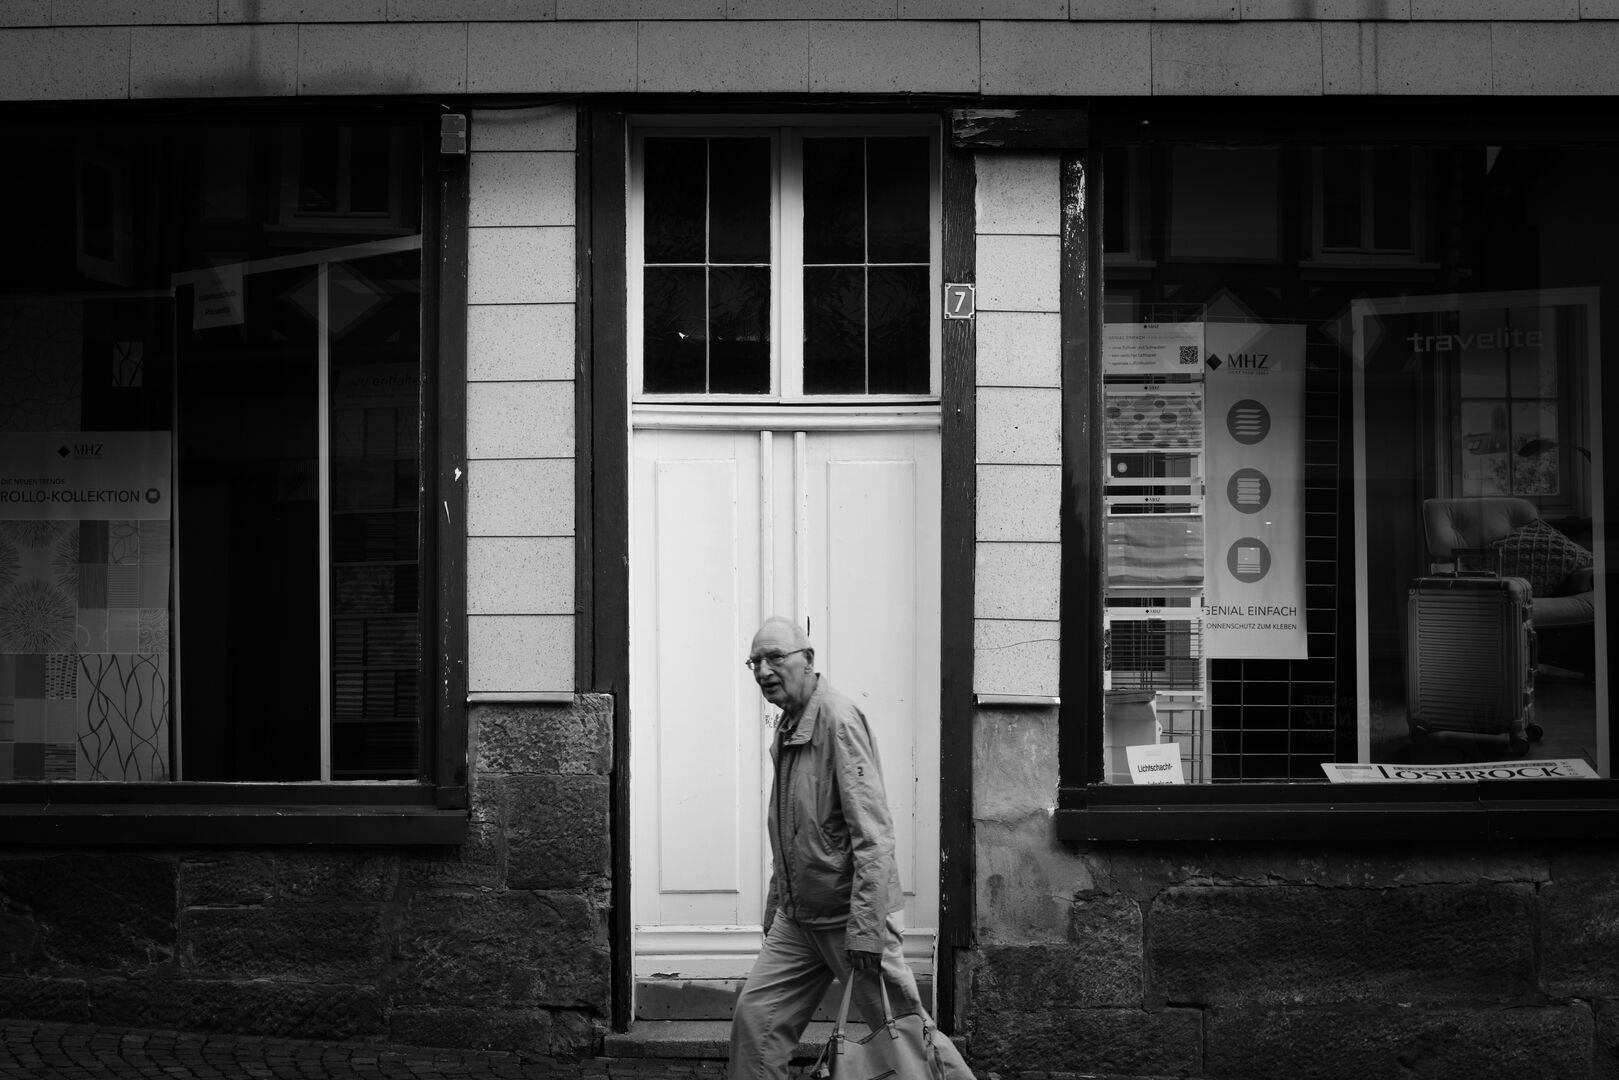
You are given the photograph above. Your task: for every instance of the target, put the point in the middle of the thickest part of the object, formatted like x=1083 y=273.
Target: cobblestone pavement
x=37 y=1050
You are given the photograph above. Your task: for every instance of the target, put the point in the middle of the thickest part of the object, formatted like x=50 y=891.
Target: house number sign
x=960 y=300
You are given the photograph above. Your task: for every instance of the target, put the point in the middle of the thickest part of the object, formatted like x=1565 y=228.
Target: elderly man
x=834 y=891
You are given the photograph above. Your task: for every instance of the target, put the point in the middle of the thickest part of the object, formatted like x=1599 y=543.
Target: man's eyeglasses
x=774 y=659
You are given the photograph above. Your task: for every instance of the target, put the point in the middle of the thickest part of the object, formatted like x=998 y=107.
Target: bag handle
x=848 y=994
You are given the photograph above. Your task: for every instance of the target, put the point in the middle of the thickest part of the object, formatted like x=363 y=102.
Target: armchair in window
x=1559 y=571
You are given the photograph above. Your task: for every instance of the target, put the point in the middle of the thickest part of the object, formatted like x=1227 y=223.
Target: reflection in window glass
x=1375 y=447
x=210 y=541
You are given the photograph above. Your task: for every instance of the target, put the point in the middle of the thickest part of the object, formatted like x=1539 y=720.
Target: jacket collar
x=805 y=727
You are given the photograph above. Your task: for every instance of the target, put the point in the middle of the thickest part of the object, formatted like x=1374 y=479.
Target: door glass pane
x=675 y=345
x=248 y=470
x=898 y=193
x=834 y=330
x=676 y=200
x=834 y=201
x=898 y=300
x=376 y=588
x=739 y=318
x=739 y=201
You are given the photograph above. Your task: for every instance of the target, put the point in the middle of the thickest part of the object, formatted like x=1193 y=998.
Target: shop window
x=1311 y=482
x=784 y=264
x=214 y=565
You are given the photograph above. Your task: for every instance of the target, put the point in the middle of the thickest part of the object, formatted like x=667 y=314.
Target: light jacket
x=831 y=834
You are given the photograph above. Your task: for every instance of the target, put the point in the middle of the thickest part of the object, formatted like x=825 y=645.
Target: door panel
x=694 y=756
x=837 y=529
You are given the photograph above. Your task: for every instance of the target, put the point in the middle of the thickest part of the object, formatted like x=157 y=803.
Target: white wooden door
x=837 y=529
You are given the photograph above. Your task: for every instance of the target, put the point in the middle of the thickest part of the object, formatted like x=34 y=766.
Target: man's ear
x=809 y=657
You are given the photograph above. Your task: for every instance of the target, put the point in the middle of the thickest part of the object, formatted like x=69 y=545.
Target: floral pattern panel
x=84 y=650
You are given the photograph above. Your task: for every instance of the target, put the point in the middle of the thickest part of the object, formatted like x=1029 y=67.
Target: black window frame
x=434 y=809
x=1090 y=810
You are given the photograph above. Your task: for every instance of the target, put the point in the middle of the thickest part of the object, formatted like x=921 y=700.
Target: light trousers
x=795 y=967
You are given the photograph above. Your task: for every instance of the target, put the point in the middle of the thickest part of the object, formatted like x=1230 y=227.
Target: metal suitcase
x=1470 y=658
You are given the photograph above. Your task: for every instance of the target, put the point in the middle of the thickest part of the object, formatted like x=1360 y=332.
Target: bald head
x=784 y=664
x=782 y=630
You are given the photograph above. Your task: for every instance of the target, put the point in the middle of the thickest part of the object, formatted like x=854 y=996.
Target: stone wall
x=1246 y=962
x=502 y=942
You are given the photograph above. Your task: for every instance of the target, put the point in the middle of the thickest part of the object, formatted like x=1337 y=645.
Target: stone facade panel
x=1551 y=1042
x=1017 y=581
x=547 y=127
x=64 y=64
x=231 y=879
x=1019 y=348
x=471 y=10
x=528 y=497
x=1015 y=656
x=550 y=57
x=520 y=265
x=1018 y=193
x=520 y=575
x=317 y=943
x=301 y=11
x=1079 y=59
x=213 y=61
x=1554 y=58
x=1115 y=1042
x=95 y=912
x=337 y=875
x=395 y=58
x=518 y=420
x=893 y=57
x=557 y=832
x=516 y=653
x=520 y=342
x=576 y=738
x=505 y=950
x=1019 y=426
x=1327 y=10
x=521 y=187
x=1579 y=935
x=1282 y=945
x=1228 y=59
x=1019 y=502
x=1019 y=273
x=1025 y=885
x=756 y=56
x=64 y=1000
x=475 y=1029
x=288 y=1008
x=476 y=863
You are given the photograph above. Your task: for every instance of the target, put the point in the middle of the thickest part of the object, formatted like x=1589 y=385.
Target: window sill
x=235 y=814
x=1499 y=810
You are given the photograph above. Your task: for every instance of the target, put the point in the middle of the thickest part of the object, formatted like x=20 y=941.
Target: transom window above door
x=784 y=263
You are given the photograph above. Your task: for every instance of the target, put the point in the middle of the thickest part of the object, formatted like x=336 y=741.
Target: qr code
x=1189 y=354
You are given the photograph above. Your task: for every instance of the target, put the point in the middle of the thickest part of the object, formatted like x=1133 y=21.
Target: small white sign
x=1461 y=772
x=218 y=298
x=1155 y=763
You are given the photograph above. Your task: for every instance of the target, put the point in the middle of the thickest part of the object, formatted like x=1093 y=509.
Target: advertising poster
x=1141 y=350
x=85 y=547
x=84 y=475
x=1254 y=529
